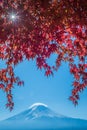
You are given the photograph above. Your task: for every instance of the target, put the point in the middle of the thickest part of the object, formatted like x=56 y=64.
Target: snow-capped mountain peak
x=40 y=116
x=40 y=110
x=36 y=111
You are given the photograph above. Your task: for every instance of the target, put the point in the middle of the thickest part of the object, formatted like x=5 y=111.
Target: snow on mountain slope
x=35 y=111
x=40 y=116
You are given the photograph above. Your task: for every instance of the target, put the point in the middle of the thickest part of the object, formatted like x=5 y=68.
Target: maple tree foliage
x=35 y=29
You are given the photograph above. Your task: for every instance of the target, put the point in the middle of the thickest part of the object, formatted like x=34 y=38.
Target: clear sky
x=53 y=91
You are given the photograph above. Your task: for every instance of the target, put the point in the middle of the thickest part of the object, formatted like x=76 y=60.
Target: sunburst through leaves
x=32 y=29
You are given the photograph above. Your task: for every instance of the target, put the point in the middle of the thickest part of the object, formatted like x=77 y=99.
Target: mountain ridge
x=40 y=116
x=35 y=111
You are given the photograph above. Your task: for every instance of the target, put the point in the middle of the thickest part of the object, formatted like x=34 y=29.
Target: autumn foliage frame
x=42 y=28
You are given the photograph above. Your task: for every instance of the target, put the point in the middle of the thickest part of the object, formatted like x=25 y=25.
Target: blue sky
x=53 y=91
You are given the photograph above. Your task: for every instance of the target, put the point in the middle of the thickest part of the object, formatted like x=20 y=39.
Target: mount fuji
x=34 y=112
x=40 y=116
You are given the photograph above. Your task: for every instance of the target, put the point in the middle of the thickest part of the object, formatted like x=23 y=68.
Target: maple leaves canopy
x=38 y=29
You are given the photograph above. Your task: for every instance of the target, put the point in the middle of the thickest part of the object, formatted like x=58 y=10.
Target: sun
x=13 y=17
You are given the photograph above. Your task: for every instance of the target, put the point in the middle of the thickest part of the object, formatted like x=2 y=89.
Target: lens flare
x=13 y=17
